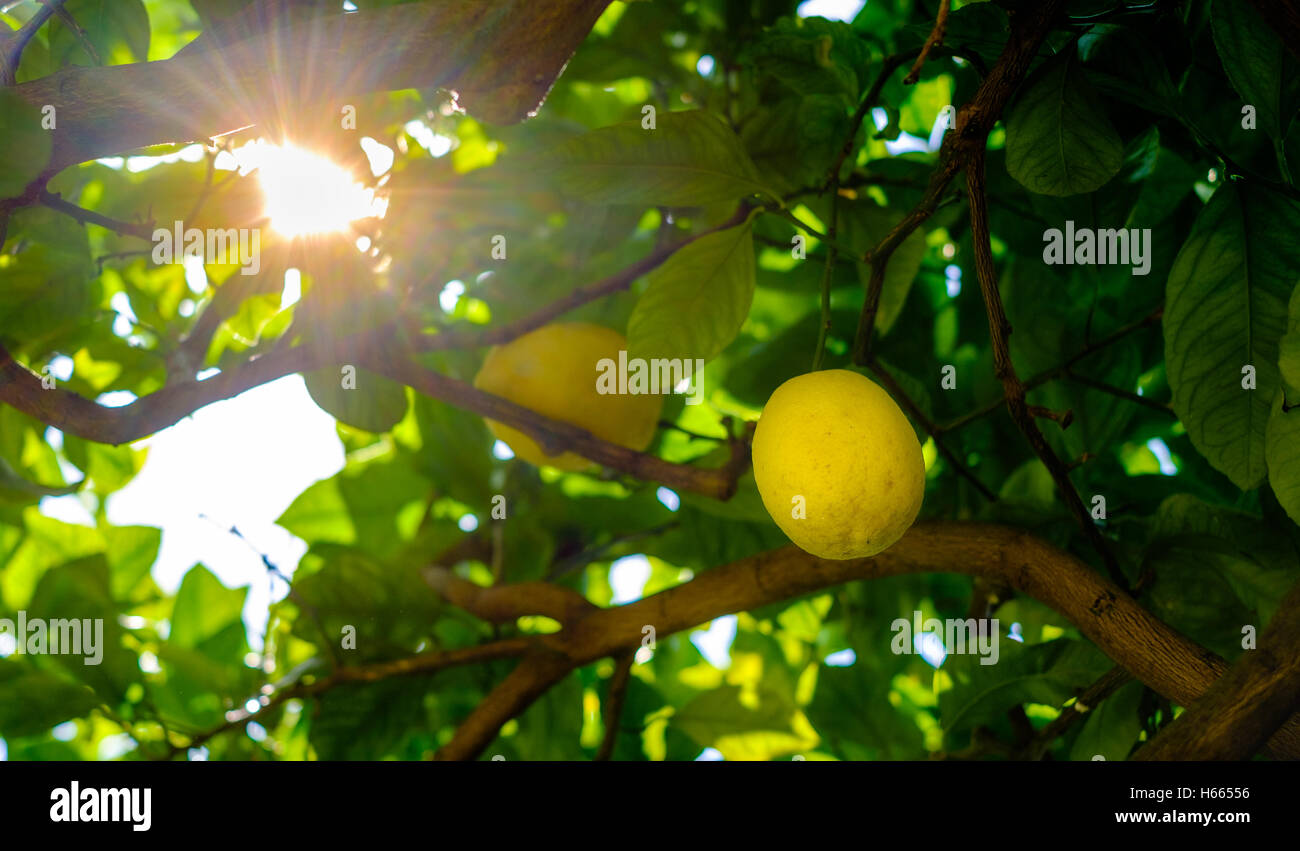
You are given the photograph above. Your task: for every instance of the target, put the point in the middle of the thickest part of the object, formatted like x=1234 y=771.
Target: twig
x=614 y=702
x=1058 y=370
x=312 y=612
x=891 y=64
x=1012 y=388
x=827 y=273
x=425 y=663
x=917 y=414
x=54 y=202
x=1121 y=394
x=974 y=121
x=18 y=41
x=1092 y=697
x=935 y=40
x=82 y=38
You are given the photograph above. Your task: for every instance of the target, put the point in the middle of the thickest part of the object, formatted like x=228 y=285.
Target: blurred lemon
x=553 y=371
x=838 y=465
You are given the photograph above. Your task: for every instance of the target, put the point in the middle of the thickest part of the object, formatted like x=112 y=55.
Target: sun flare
x=305 y=192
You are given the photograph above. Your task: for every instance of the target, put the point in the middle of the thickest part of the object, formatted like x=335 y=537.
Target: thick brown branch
x=505 y=603
x=530 y=679
x=1136 y=640
x=501 y=56
x=1243 y=708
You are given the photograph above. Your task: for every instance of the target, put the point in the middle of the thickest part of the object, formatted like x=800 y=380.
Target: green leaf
x=109 y=468
x=695 y=303
x=80 y=591
x=794 y=141
x=689 y=159
x=1225 y=310
x=1282 y=454
x=1258 y=64
x=1059 y=138
x=371 y=402
x=131 y=551
x=117 y=29
x=31 y=701
x=46 y=543
x=25 y=145
x=1042 y=673
x=367 y=720
x=204 y=607
x=720 y=712
x=387 y=604
x=813 y=56
x=1112 y=728
x=15 y=488
x=358 y=506
x=863 y=226
x=1215 y=569
x=852 y=712
x=320 y=515
x=1288 y=348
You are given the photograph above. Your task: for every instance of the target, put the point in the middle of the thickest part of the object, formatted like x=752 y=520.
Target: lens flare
x=305 y=192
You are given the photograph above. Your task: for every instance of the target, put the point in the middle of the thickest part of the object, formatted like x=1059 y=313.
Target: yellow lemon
x=553 y=371
x=838 y=465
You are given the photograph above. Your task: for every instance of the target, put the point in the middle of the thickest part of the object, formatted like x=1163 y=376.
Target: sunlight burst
x=305 y=192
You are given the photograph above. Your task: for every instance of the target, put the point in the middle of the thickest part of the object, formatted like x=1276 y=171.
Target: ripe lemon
x=838 y=465
x=553 y=371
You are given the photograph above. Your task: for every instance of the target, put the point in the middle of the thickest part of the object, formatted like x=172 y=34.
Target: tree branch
x=425 y=663
x=1136 y=640
x=505 y=603
x=1241 y=710
x=13 y=45
x=1029 y=26
x=931 y=429
x=500 y=56
x=935 y=40
x=1056 y=371
x=1013 y=389
x=614 y=701
x=84 y=216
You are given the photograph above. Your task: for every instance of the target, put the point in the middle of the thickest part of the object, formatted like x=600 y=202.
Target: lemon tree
x=1000 y=332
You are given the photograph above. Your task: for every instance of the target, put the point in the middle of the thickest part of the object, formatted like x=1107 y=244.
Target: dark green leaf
x=1225 y=312
x=1059 y=139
